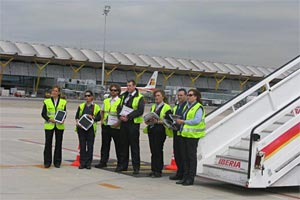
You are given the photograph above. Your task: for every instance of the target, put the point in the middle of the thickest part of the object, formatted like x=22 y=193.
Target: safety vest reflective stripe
x=50 y=113
x=195 y=130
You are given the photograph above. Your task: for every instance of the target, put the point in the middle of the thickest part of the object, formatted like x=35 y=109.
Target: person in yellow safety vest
x=110 y=125
x=87 y=137
x=130 y=113
x=157 y=132
x=50 y=108
x=191 y=130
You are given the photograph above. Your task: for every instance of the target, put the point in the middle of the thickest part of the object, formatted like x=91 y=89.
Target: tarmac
x=24 y=177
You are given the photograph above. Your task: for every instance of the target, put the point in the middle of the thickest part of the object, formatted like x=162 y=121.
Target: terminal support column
x=108 y=73
x=193 y=79
x=218 y=81
x=242 y=83
x=166 y=77
x=39 y=73
x=76 y=70
x=138 y=75
x=3 y=65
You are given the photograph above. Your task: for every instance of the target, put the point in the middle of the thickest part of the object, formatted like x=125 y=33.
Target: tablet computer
x=85 y=122
x=60 y=116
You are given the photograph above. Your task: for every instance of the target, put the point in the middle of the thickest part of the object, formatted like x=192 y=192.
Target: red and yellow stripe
x=281 y=141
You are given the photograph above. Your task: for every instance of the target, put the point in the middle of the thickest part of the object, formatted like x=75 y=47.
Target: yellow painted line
x=109 y=186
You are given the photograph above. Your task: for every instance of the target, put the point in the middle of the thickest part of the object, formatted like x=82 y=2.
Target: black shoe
x=101 y=165
x=136 y=171
x=188 y=182
x=47 y=165
x=151 y=174
x=81 y=167
x=156 y=175
x=88 y=167
x=181 y=181
x=57 y=165
x=120 y=169
x=175 y=177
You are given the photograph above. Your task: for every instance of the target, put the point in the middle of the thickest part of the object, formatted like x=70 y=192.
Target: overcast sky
x=257 y=32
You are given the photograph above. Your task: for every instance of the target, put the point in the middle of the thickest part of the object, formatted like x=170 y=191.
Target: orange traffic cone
x=172 y=165
x=76 y=162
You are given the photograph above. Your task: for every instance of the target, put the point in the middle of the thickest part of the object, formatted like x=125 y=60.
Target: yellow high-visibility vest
x=194 y=131
x=51 y=110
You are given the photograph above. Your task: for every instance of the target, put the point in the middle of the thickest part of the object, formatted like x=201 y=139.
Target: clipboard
x=126 y=110
x=60 y=116
x=85 y=122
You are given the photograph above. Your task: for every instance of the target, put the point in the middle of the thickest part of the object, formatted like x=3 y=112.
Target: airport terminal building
x=34 y=68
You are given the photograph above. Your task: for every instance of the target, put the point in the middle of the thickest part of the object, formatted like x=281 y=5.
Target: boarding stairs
x=257 y=144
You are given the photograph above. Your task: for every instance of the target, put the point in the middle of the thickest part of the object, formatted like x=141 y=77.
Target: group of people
x=121 y=116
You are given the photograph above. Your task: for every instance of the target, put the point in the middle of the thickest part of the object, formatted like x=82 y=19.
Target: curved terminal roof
x=91 y=55
x=9 y=48
x=76 y=54
x=43 y=51
x=155 y=62
x=136 y=60
x=26 y=49
x=60 y=53
x=108 y=57
x=150 y=61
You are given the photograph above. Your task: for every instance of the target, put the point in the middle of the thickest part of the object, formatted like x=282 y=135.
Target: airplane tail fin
x=152 y=81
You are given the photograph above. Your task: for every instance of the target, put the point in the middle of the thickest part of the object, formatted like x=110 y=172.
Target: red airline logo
x=230 y=163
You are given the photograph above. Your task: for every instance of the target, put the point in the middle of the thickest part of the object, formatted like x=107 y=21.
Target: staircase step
x=237 y=158
x=285 y=118
x=280 y=123
x=239 y=151
x=244 y=143
x=226 y=174
x=224 y=168
x=232 y=161
x=267 y=131
x=222 y=179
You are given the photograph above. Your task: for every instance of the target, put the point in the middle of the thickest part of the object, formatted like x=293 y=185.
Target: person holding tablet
x=51 y=106
x=87 y=137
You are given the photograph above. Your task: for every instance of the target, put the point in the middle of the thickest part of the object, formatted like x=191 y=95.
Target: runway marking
x=29 y=165
x=110 y=186
x=145 y=167
x=6 y=126
x=41 y=143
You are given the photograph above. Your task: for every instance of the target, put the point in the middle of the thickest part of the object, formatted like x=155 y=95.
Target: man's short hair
x=132 y=81
x=182 y=90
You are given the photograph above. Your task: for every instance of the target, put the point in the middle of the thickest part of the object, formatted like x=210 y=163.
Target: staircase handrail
x=246 y=93
x=252 y=134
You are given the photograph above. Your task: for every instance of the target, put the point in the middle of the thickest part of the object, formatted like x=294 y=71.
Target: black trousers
x=189 y=156
x=48 y=146
x=177 y=140
x=86 y=144
x=157 y=139
x=107 y=134
x=130 y=137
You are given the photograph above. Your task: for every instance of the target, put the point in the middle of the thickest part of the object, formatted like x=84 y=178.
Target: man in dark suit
x=130 y=111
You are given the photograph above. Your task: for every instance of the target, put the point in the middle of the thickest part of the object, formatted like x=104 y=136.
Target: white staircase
x=257 y=145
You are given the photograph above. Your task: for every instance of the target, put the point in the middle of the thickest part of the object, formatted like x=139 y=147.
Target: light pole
x=105 y=13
